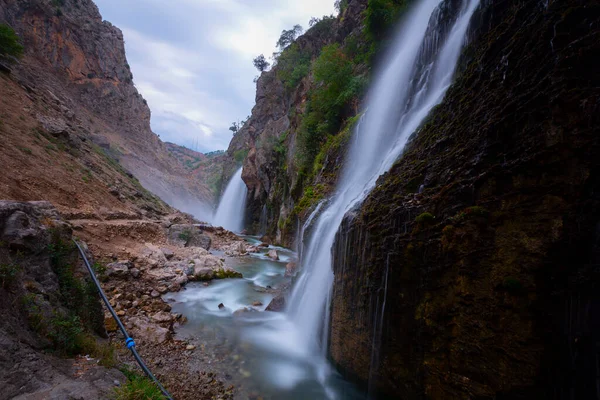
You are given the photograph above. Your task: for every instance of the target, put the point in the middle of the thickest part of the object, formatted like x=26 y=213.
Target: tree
x=9 y=42
x=288 y=36
x=261 y=63
x=235 y=128
x=313 y=21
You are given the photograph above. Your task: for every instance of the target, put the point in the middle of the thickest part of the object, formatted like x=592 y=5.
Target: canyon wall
x=471 y=270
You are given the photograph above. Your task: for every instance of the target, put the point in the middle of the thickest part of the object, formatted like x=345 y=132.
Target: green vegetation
x=185 y=236
x=425 y=218
x=293 y=65
x=138 y=387
x=335 y=87
x=470 y=212
x=9 y=42
x=381 y=15
x=8 y=274
x=240 y=155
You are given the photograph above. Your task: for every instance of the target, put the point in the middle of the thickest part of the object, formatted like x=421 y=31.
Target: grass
x=138 y=387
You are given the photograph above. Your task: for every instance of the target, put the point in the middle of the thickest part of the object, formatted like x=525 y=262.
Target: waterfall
x=418 y=71
x=230 y=213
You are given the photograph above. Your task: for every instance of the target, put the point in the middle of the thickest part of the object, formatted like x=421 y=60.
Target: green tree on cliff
x=9 y=42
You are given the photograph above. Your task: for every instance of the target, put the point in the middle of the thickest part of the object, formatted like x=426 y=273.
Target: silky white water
x=230 y=213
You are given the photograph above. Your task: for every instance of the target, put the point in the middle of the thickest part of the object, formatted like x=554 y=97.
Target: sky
x=192 y=59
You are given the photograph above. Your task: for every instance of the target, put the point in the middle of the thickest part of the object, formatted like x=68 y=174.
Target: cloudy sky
x=192 y=59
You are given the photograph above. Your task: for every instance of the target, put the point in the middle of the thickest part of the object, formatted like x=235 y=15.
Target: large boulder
x=277 y=304
x=272 y=254
x=148 y=332
x=188 y=235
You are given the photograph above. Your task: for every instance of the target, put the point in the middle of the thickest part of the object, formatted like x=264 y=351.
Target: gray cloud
x=192 y=59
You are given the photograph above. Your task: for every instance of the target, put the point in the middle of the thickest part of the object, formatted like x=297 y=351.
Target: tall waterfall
x=418 y=71
x=230 y=213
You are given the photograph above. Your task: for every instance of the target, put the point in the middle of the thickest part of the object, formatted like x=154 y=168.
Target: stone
x=162 y=317
x=188 y=235
x=221 y=306
x=277 y=304
x=266 y=240
x=272 y=254
x=168 y=253
x=199 y=240
x=204 y=273
x=257 y=304
x=242 y=311
x=291 y=268
x=134 y=272
x=190 y=347
x=155 y=294
x=110 y=324
x=117 y=269
x=147 y=332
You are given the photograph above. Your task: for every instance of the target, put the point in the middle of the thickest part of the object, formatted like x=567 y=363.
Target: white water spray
x=230 y=213
x=418 y=73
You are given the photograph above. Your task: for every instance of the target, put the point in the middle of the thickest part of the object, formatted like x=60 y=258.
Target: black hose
x=128 y=340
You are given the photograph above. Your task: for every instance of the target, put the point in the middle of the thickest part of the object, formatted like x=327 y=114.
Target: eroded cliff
x=471 y=270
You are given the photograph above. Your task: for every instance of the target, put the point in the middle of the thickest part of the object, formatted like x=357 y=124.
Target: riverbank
x=138 y=261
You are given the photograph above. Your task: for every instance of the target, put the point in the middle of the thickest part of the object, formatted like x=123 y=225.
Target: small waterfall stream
x=230 y=213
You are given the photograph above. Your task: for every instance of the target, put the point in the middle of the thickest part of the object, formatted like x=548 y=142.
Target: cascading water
x=418 y=73
x=230 y=213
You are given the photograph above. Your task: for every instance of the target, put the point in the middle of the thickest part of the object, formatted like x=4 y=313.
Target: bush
x=292 y=66
x=240 y=155
x=381 y=15
x=138 y=387
x=425 y=218
x=335 y=87
x=9 y=42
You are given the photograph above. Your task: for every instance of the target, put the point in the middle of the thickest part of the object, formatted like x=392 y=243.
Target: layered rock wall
x=472 y=267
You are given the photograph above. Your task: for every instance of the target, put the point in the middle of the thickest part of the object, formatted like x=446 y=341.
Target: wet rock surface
x=477 y=302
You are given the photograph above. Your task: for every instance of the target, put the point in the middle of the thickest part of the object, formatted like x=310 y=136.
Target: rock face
x=274 y=185
x=42 y=301
x=76 y=63
x=495 y=297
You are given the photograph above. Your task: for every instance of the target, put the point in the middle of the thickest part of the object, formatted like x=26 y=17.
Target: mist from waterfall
x=230 y=213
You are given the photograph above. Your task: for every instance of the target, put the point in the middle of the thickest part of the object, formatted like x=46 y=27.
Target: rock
x=221 y=306
x=272 y=254
x=155 y=294
x=243 y=311
x=168 y=253
x=55 y=126
x=291 y=268
x=110 y=324
x=257 y=304
x=162 y=317
x=277 y=304
x=263 y=245
x=118 y=269
x=188 y=235
x=198 y=240
x=134 y=272
x=190 y=347
x=204 y=273
x=148 y=332
x=266 y=240
x=153 y=256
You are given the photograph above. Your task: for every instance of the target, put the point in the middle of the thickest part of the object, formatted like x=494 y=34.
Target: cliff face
x=80 y=61
x=267 y=145
x=472 y=268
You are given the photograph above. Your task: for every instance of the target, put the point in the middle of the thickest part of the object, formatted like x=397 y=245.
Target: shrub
x=9 y=42
x=138 y=387
x=381 y=15
x=185 y=236
x=425 y=218
x=240 y=155
x=292 y=65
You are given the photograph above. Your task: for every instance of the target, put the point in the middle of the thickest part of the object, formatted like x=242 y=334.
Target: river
x=251 y=350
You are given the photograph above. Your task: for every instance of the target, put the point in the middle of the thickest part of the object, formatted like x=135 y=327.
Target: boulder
x=204 y=273
x=148 y=332
x=272 y=254
x=277 y=304
x=162 y=317
x=118 y=269
x=291 y=268
x=266 y=239
x=188 y=235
